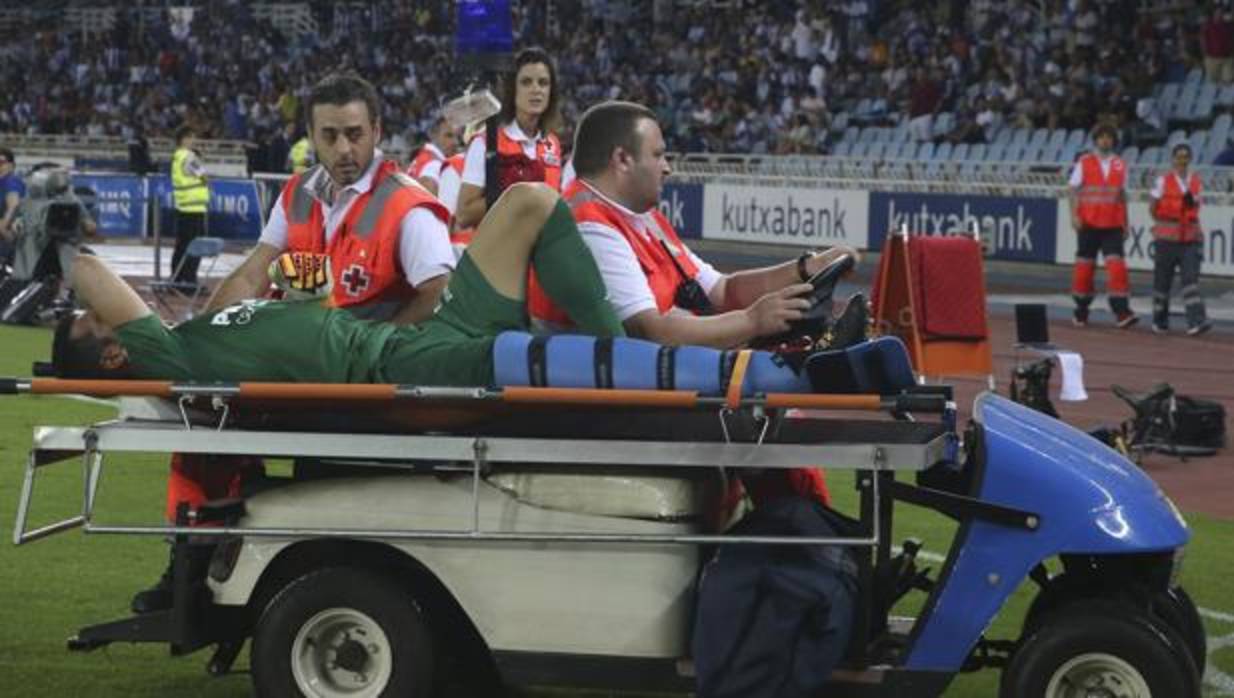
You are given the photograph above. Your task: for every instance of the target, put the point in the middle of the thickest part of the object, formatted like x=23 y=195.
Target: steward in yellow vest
x=191 y=195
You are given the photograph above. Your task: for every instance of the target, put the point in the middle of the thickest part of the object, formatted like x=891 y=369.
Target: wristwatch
x=802 y=272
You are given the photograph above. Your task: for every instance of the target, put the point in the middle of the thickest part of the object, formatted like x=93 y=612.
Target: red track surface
x=1137 y=359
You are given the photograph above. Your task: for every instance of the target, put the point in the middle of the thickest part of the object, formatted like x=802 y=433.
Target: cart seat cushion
x=630 y=496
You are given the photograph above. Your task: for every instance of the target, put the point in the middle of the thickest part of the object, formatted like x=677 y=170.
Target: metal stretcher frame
x=55 y=444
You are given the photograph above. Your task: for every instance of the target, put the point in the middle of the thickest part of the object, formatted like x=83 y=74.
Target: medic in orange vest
x=527 y=149
x=1178 y=243
x=659 y=288
x=1099 y=214
x=426 y=164
x=387 y=236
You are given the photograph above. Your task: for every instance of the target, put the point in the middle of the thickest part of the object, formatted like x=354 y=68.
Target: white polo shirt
x=424 y=240
x=626 y=283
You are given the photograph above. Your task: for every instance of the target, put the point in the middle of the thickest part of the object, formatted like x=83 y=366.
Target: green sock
x=568 y=273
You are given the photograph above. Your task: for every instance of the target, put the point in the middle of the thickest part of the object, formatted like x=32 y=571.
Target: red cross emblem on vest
x=355 y=280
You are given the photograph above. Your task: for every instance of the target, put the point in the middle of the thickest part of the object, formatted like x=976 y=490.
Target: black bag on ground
x=1199 y=422
x=1030 y=386
x=773 y=620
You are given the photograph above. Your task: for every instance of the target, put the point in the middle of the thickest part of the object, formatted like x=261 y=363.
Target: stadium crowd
x=745 y=77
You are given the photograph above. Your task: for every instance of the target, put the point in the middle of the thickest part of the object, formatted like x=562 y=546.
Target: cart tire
x=342 y=632
x=1100 y=648
x=1175 y=607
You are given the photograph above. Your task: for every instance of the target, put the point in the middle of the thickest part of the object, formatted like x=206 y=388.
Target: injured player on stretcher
x=474 y=339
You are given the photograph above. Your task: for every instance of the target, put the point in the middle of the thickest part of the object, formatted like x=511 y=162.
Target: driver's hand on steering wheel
x=820 y=260
x=771 y=313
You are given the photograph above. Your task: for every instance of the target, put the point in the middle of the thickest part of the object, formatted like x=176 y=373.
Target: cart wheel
x=1173 y=607
x=1176 y=608
x=1100 y=648
x=342 y=632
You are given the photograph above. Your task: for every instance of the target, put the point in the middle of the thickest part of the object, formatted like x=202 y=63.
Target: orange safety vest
x=1174 y=221
x=425 y=156
x=363 y=253
x=664 y=270
x=460 y=238
x=514 y=166
x=1100 y=202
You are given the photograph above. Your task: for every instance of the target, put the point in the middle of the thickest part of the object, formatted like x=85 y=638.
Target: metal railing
x=1017 y=178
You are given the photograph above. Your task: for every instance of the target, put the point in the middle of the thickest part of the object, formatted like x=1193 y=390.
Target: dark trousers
x=188 y=227
x=1186 y=257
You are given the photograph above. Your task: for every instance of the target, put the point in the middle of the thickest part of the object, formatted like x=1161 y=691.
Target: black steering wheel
x=814 y=322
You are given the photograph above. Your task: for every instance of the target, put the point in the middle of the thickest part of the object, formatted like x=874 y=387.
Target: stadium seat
x=977 y=151
x=1151 y=155
x=839 y=122
x=925 y=151
x=1176 y=136
x=1058 y=138
x=842 y=149
x=1195 y=75
x=996 y=152
x=942 y=152
x=943 y=123
x=1225 y=97
x=1202 y=111
x=1039 y=137
x=1170 y=92
x=959 y=152
x=1078 y=137
x=1019 y=137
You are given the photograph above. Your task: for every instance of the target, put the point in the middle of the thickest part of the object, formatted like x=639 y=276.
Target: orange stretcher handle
x=825 y=402
x=593 y=396
x=100 y=388
x=318 y=391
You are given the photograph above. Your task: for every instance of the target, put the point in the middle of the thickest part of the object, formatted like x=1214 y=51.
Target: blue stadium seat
x=996 y=152
x=942 y=152
x=1131 y=154
x=1019 y=137
x=1170 y=92
x=1225 y=97
x=1052 y=154
x=1202 y=111
x=1058 y=138
x=977 y=151
x=1195 y=75
x=1176 y=136
x=1039 y=137
x=1151 y=155
x=925 y=151
x=959 y=152
x=839 y=122
x=851 y=134
x=1077 y=137
x=843 y=148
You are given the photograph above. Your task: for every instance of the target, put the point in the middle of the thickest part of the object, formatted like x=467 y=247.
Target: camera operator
x=49 y=225
x=1178 y=242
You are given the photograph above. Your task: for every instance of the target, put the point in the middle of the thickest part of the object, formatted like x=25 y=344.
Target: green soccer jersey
x=259 y=340
x=306 y=342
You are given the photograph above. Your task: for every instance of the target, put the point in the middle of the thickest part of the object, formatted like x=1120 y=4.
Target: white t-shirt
x=431 y=168
x=473 y=165
x=626 y=283
x=448 y=183
x=424 y=241
x=1077 y=172
x=1159 y=185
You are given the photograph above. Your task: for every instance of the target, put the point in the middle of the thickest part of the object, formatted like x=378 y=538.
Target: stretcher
x=475 y=524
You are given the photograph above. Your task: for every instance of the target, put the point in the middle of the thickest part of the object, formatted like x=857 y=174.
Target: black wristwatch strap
x=801 y=266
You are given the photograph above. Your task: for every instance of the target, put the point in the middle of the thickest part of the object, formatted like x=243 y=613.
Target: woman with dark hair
x=527 y=146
